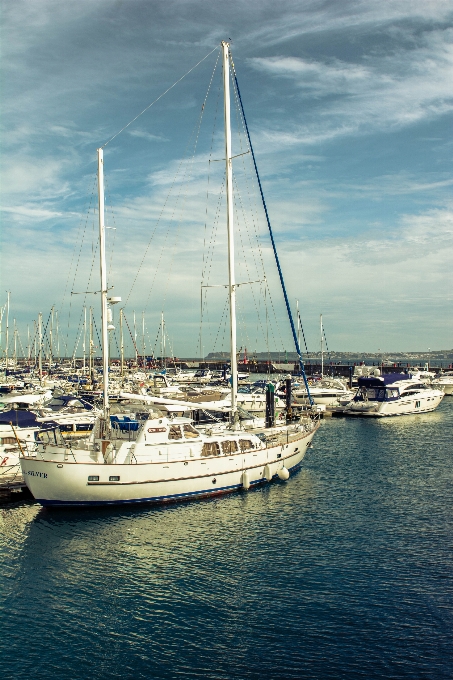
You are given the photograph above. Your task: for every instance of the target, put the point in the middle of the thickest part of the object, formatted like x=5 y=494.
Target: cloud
x=31 y=212
x=382 y=92
x=358 y=226
x=142 y=134
x=31 y=175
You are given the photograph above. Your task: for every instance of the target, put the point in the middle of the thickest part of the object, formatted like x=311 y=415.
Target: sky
x=349 y=106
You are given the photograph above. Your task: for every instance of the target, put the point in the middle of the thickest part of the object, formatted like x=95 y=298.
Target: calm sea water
x=344 y=571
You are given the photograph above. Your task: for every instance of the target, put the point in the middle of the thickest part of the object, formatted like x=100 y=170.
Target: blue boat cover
x=382 y=380
x=19 y=418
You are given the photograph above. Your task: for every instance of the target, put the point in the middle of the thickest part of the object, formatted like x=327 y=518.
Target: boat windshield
x=50 y=437
x=55 y=404
x=375 y=394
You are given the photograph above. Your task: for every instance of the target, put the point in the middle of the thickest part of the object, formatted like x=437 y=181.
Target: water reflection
x=341 y=572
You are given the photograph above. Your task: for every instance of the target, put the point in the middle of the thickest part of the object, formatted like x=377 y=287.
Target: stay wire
x=159 y=97
x=186 y=181
x=182 y=161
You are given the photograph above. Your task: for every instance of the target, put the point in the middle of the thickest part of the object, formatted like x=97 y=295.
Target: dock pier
x=13 y=488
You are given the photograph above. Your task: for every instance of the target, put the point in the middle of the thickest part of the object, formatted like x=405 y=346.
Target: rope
x=303 y=335
x=272 y=241
x=159 y=97
x=130 y=333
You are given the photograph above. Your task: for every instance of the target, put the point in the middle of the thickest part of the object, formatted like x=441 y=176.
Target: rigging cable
x=303 y=335
x=159 y=97
x=288 y=308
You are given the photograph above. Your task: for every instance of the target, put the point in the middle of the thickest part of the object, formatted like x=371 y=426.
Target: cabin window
x=174 y=432
x=229 y=447
x=190 y=432
x=245 y=444
x=210 y=449
x=375 y=394
x=8 y=440
x=55 y=404
x=392 y=394
x=114 y=478
x=93 y=478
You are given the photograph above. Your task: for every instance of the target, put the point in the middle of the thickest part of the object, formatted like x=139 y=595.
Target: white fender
x=283 y=474
x=267 y=474
x=245 y=480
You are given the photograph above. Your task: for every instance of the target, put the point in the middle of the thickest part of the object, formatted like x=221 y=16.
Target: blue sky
x=349 y=105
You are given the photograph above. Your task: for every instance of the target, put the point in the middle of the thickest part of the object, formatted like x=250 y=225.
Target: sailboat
x=147 y=457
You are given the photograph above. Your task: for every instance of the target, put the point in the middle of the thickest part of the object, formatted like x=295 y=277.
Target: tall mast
x=34 y=344
x=84 y=337
x=7 y=330
x=90 y=360
x=122 y=342
x=298 y=322
x=322 y=350
x=15 y=343
x=103 y=270
x=40 y=345
x=162 y=340
x=58 y=335
x=51 y=339
x=143 y=338
x=229 y=194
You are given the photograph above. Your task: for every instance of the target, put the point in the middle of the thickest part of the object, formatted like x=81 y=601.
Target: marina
x=226 y=382
x=355 y=552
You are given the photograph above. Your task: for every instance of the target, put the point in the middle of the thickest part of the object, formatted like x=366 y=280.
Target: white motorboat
x=392 y=395
x=444 y=381
x=151 y=458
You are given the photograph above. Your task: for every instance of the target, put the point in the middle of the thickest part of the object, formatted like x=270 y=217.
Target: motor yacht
x=395 y=394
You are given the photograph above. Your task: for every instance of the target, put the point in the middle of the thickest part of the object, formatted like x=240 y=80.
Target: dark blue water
x=344 y=571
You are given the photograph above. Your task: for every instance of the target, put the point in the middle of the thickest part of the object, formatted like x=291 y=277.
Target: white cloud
x=142 y=134
x=384 y=91
x=20 y=211
x=32 y=175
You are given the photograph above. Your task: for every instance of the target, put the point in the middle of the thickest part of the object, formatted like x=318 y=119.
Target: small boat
x=395 y=394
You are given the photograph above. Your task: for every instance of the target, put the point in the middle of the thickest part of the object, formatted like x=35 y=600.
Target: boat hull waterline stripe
x=191 y=495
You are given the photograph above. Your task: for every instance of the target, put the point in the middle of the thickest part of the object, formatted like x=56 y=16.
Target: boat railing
x=274 y=438
x=126 y=431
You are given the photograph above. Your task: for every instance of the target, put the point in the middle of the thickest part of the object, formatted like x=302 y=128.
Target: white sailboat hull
x=65 y=483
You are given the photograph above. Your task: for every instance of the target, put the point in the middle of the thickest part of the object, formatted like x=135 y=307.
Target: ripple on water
x=343 y=572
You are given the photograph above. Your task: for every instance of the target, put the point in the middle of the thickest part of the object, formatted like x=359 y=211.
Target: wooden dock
x=13 y=488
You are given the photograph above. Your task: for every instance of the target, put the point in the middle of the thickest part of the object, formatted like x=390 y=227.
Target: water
x=342 y=572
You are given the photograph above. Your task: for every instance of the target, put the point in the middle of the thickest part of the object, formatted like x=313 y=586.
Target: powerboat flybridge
x=149 y=457
x=395 y=394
